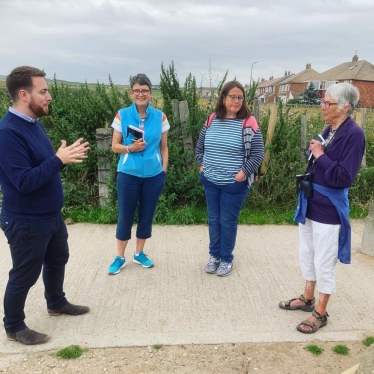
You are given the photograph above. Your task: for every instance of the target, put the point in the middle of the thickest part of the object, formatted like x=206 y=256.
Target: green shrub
x=341 y=349
x=73 y=351
x=78 y=111
x=368 y=341
x=314 y=349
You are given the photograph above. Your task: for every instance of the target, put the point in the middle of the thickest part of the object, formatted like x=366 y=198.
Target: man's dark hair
x=220 y=110
x=141 y=79
x=21 y=79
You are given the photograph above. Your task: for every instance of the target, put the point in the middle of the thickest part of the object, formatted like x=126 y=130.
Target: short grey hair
x=141 y=79
x=343 y=94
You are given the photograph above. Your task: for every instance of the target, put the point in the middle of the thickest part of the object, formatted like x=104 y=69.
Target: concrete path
x=176 y=302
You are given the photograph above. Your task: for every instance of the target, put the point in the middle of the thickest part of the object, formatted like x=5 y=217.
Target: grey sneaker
x=212 y=265
x=224 y=269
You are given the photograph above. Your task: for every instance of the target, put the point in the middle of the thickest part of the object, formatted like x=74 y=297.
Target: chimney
x=355 y=58
x=289 y=73
x=285 y=73
x=262 y=80
x=308 y=65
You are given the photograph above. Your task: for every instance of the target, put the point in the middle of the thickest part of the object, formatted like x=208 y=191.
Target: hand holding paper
x=316 y=147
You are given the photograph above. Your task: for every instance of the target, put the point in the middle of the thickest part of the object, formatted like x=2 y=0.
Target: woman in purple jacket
x=324 y=229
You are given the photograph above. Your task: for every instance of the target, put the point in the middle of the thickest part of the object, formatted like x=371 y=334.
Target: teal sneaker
x=142 y=259
x=117 y=265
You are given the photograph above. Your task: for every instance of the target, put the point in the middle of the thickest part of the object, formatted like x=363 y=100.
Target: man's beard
x=38 y=110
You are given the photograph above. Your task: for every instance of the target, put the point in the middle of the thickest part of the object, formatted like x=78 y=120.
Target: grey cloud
x=84 y=39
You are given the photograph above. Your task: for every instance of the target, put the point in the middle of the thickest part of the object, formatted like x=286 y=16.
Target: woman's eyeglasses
x=327 y=104
x=233 y=97
x=142 y=92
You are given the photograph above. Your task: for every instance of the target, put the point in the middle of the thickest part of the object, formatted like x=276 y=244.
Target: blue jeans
x=34 y=244
x=224 y=203
x=138 y=192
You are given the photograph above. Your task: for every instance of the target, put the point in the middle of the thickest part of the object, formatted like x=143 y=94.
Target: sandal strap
x=308 y=323
x=306 y=301
x=319 y=317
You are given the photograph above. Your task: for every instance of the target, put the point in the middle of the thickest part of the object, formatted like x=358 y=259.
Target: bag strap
x=247 y=122
x=250 y=122
x=209 y=120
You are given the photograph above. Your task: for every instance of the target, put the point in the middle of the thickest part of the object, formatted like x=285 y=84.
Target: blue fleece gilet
x=147 y=163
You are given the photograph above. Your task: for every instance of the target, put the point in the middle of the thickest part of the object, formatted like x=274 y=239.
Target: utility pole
x=250 y=83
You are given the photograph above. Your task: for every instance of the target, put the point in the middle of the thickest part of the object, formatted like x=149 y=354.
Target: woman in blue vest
x=229 y=152
x=324 y=229
x=140 y=136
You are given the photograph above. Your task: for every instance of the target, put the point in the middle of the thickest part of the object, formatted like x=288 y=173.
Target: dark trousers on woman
x=133 y=191
x=224 y=203
x=34 y=244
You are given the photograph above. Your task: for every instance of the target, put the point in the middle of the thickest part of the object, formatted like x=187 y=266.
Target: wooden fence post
x=361 y=121
x=303 y=136
x=104 y=141
x=269 y=138
x=175 y=105
x=367 y=244
x=180 y=114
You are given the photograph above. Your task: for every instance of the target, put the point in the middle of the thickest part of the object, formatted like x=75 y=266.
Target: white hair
x=343 y=94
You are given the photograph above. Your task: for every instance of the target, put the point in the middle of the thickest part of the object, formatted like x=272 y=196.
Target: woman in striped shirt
x=229 y=152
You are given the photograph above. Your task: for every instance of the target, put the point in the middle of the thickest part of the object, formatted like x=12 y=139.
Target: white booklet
x=135 y=132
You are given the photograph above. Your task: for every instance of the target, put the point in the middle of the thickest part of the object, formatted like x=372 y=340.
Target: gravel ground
x=283 y=358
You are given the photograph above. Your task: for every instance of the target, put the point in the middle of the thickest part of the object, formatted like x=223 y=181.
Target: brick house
x=295 y=84
x=359 y=73
x=267 y=91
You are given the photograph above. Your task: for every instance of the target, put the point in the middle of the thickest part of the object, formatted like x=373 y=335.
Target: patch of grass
x=252 y=216
x=181 y=215
x=94 y=215
x=73 y=351
x=314 y=349
x=157 y=346
x=193 y=215
x=358 y=211
x=341 y=349
x=368 y=341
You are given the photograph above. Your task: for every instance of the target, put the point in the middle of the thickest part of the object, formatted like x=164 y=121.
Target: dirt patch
x=275 y=358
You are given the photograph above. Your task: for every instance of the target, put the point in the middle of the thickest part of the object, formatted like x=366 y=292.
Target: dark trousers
x=34 y=244
x=138 y=192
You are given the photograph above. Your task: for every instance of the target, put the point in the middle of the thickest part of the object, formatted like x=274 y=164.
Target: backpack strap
x=248 y=122
x=251 y=122
x=209 y=120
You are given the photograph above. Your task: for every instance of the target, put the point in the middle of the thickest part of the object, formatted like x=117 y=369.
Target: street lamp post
x=250 y=82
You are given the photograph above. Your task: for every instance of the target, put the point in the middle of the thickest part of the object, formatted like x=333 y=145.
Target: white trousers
x=318 y=253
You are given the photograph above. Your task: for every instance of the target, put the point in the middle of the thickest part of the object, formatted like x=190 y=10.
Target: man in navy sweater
x=32 y=201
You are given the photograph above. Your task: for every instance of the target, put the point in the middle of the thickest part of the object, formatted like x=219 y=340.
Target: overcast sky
x=89 y=39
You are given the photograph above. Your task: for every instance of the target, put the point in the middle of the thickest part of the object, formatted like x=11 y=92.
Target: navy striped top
x=223 y=150
x=220 y=150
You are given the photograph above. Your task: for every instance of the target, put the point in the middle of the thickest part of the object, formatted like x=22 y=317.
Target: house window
x=330 y=83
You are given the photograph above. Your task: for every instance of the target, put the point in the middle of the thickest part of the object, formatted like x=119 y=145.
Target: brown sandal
x=313 y=325
x=308 y=307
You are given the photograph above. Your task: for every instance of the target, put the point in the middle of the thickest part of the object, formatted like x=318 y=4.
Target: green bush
x=73 y=351
x=78 y=111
